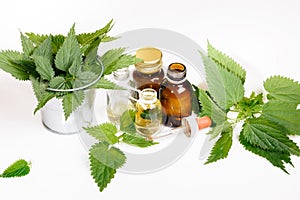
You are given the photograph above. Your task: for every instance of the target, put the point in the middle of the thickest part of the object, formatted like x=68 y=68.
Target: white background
x=263 y=36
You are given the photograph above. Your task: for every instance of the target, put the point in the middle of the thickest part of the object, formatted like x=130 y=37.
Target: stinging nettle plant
x=58 y=62
x=266 y=124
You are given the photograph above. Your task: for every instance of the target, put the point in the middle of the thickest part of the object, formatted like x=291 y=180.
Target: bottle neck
x=176 y=73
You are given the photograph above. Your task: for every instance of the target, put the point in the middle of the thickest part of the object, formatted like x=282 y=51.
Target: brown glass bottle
x=149 y=73
x=175 y=95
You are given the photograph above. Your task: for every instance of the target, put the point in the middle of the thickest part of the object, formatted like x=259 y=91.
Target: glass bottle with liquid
x=148 y=113
x=118 y=100
x=175 y=95
x=149 y=72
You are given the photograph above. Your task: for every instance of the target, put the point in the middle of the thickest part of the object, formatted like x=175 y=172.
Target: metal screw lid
x=152 y=60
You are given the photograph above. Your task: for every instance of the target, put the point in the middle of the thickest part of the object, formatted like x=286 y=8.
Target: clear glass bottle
x=149 y=73
x=148 y=113
x=118 y=100
x=175 y=95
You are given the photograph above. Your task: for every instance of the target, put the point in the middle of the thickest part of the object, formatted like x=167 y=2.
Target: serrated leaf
x=111 y=56
x=283 y=89
x=27 y=65
x=108 y=38
x=57 y=82
x=57 y=41
x=44 y=49
x=108 y=155
x=69 y=54
x=17 y=169
x=122 y=62
x=36 y=38
x=42 y=95
x=226 y=62
x=105 y=132
x=226 y=88
x=284 y=114
x=101 y=173
x=27 y=45
x=91 y=47
x=106 y=84
x=268 y=136
x=276 y=158
x=84 y=78
x=88 y=38
x=137 y=141
x=7 y=65
x=45 y=98
x=44 y=67
x=210 y=108
x=127 y=120
x=218 y=129
x=221 y=147
x=72 y=101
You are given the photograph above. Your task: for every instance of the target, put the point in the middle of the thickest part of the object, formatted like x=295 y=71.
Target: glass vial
x=148 y=113
x=149 y=73
x=175 y=95
x=118 y=100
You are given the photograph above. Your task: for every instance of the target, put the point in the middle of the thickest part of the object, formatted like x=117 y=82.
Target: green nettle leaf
x=105 y=132
x=127 y=122
x=36 y=38
x=7 y=65
x=42 y=95
x=101 y=173
x=111 y=56
x=84 y=78
x=44 y=67
x=72 y=101
x=27 y=45
x=226 y=62
x=109 y=38
x=285 y=114
x=27 y=65
x=210 y=108
x=221 y=147
x=219 y=128
x=44 y=49
x=283 y=89
x=108 y=155
x=276 y=158
x=57 y=42
x=268 y=136
x=226 y=88
x=136 y=140
x=122 y=62
x=57 y=82
x=69 y=54
x=106 y=84
x=17 y=169
x=88 y=38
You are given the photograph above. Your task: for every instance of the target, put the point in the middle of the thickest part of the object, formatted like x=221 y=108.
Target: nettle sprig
x=17 y=169
x=56 y=63
x=267 y=119
x=104 y=157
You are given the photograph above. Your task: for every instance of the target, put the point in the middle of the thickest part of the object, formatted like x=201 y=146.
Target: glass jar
x=118 y=100
x=148 y=113
x=149 y=73
x=175 y=95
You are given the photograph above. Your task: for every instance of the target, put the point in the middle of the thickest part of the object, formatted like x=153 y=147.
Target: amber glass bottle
x=149 y=73
x=175 y=95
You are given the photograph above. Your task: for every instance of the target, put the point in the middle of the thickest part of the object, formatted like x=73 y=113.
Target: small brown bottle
x=149 y=73
x=175 y=95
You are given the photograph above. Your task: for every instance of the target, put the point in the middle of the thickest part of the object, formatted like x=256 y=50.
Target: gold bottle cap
x=152 y=60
